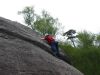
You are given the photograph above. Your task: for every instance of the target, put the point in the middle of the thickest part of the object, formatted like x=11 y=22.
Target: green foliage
x=87 y=60
x=98 y=37
x=86 y=56
x=86 y=39
x=28 y=14
x=98 y=40
x=43 y=24
x=46 y=24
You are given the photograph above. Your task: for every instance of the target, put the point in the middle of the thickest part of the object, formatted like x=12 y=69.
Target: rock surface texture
x=22 y=52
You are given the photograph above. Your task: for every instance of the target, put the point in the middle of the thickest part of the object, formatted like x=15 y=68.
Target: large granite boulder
x=22 y=52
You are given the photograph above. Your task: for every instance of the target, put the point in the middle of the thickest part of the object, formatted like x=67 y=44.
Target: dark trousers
x=54 y=47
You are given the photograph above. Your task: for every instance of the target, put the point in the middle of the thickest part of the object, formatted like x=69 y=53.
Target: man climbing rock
x=54 y=44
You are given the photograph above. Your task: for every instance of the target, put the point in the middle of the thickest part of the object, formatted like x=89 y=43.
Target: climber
x=54 y=44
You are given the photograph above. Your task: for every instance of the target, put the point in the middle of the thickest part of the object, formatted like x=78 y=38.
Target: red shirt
x=49 y=38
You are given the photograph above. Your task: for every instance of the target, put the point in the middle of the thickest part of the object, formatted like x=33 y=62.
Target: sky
x=72 y=14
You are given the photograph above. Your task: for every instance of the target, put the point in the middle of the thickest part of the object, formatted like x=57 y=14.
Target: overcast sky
x=73 y=14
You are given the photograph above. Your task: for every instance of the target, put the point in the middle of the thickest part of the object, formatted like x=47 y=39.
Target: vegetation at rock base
x=86 y=56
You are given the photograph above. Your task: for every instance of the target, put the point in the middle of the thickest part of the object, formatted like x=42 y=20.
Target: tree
x=98 y=40
x=86 y=39
x=29 y=15
x=70 y=35
x=43 y=24
x=46 y=24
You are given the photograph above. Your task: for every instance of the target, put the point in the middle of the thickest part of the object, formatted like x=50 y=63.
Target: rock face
x=22 y=52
